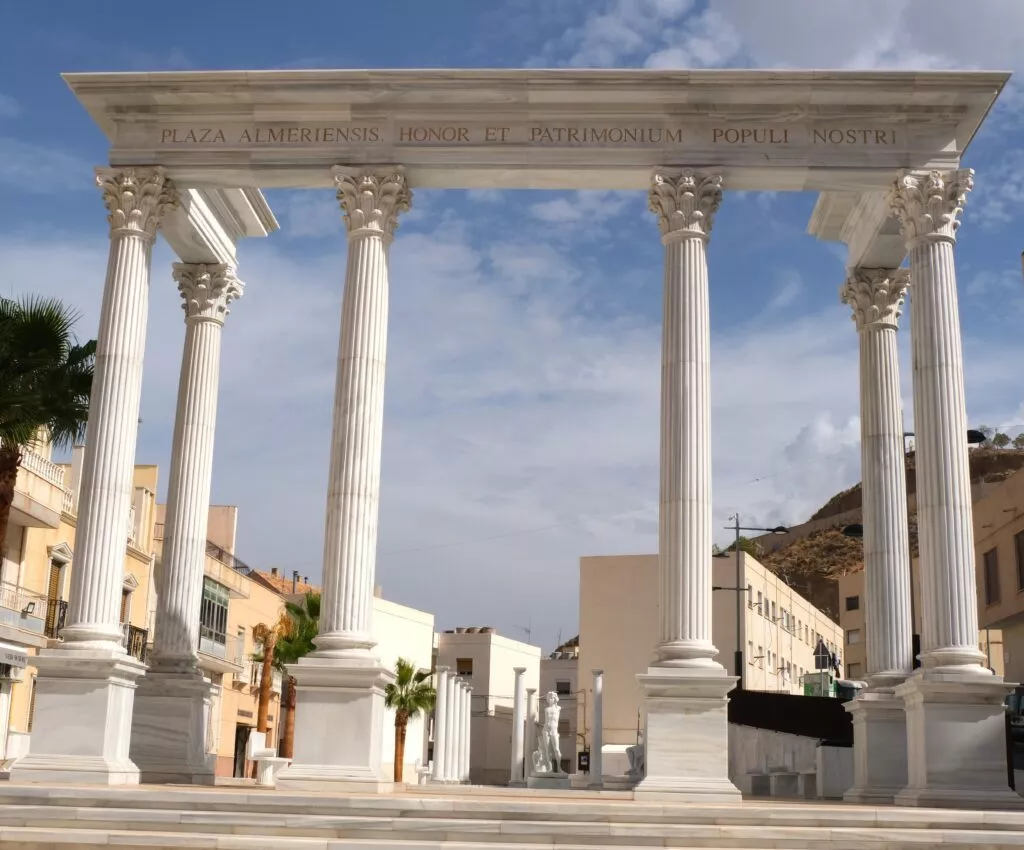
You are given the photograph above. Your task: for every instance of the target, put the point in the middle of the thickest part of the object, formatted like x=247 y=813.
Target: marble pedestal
x=956 y=737
x=169 y=729
x=686 y=735
x=549 y=780
x=339 y=724
x=83 y=718
x=879 y=747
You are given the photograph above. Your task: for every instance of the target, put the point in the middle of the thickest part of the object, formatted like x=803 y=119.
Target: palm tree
x=45 y=381
x=409 y=695
x=297 y=644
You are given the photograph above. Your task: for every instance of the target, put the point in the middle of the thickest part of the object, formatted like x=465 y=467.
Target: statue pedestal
x=549 y=780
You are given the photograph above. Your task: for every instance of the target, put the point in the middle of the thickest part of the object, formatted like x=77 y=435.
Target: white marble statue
x=547 y=758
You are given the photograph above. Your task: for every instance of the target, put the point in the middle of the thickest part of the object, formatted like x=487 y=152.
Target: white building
x=487 y=660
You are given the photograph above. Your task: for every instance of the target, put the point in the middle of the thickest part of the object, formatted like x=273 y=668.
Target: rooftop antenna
x=527 y=629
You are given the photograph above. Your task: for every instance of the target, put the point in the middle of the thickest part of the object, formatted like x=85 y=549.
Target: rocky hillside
x=811 y=564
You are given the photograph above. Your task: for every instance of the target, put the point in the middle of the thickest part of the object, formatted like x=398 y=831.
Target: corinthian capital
x=685 y=202
x=876 y=296
x=207 y=290
x=136 y=199
x=372 y=198
x=928 y=203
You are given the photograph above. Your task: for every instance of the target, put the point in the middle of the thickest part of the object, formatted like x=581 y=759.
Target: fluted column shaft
x=597 y=737
x=440 y=731
x=518 y=714
x=451 y=726
x=460 y=731
x=529 y=743
x=371 y=200
x=876 y=298
x=685 y=202
x=928 y=205
x=136 y=199
x=207 y=290
x=468 y=732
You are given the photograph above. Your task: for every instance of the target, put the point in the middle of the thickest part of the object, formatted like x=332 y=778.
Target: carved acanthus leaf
x=685 y=201
x=372 y=198
x=137 y=199
x=876 y=296
x=207 y=290
x=929 y=203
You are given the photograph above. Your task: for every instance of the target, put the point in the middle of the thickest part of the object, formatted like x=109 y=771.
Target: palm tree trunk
x=401 y=724
x=266 y=683
x=10 y=460
x=288 y=709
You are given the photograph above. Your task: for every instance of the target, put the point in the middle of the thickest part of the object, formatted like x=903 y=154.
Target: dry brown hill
x=812 y=563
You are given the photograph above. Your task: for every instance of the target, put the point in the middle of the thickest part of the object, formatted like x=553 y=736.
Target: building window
x=760 y=656
x=1018 y=545
x=990 y=561
x=563 y=688
x=464 y=666
x=563 y=726
x=750 y=652
x=773 y=612
x=213 y=612
x=852 y=603
x=853 y=636
x=760 y=602
x=853 y=670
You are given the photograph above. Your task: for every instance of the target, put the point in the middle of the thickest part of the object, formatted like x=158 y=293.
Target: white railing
x=131 y=526
x=68 y=505
x=45 y=469
x=13 y=597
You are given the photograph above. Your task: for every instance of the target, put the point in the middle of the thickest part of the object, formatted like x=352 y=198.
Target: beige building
x=779 y=631
x=487 y=660
x=35 y=578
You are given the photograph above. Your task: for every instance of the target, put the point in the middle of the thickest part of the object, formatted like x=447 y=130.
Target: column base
x=168 y=741
x=339 y=726
x=879 y=747
x=83 y=717
x=956 y=742
x=686 y=736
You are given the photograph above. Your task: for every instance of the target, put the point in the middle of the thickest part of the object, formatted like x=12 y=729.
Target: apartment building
x=619 y=603
x=35 y=578
x=488 y=660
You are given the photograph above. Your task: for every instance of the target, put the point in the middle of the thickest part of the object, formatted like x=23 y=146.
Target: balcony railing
x=68 y=505
x=56 y=614
x=45 y=469
x=134 y=640
x=226 y=558
x=21 y=599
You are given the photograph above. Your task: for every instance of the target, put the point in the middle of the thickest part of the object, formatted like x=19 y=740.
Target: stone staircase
x=36 y=817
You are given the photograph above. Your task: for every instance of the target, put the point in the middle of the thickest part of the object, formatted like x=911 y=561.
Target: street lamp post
x=741 y=588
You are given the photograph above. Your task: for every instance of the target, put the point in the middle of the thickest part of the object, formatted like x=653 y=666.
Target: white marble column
x=468 y=734
x=451 y=725
x=460 y=731
x=516 y=774
x=685 y=688
x=371 y=199
x=955 y=718
x=880 y=731
x=169 y=726
x=440 y=719
x=530 y=731
x=597 y=736
x=85 y=689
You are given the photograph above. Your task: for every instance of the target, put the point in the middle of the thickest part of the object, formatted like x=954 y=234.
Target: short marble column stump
x=880 y=750
x=956 y=731
x=686 y=736
x=169 y=729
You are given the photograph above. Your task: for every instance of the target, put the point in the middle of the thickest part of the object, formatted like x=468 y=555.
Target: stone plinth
x=548 y=780
x=956 y=731
x=340 y=705
x=686 y=735
x=880 y=747
x=83 y=719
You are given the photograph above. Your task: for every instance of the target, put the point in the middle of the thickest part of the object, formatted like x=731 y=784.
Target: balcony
x=24 y=609
x=56 y=615
x=219 y=653
x=134 y=640
x=227 y=570
x=38 y=492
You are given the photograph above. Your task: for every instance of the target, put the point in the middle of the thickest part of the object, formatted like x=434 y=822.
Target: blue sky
x=522 y=399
